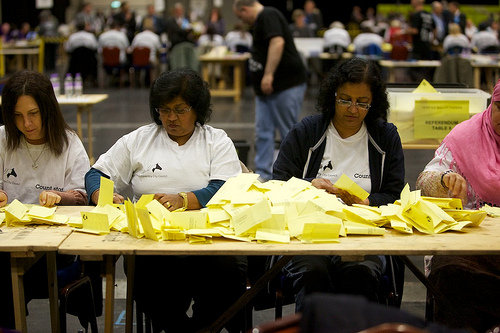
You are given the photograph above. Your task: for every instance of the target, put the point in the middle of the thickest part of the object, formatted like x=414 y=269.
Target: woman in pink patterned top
x=467 y=166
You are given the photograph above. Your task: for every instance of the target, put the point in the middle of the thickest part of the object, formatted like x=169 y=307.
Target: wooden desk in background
x=482 y=240
x=33 y=50
x=237 y=61
x=391 y=65
x=26 y=245
x=83 y=104
x=490 y=73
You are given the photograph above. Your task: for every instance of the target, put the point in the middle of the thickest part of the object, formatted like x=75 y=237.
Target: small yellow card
x=106 y=192
x=95 y=222
x=347 y=184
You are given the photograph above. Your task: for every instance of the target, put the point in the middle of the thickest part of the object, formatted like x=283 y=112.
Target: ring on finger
x=168 y=204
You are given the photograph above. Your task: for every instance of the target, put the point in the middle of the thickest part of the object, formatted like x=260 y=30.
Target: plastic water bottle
x=78 y=85
x=56 y=84
x=68 y=85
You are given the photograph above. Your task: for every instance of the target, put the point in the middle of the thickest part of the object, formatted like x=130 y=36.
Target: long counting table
x=482 y=240
x=26 y=245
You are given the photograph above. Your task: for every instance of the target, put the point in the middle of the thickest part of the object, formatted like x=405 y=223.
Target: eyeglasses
x=361 y=106
x=167 y=111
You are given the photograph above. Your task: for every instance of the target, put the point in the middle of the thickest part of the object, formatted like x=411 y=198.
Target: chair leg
x=131 y=76
x=278 y=308
x=62 y=316
x=138 y=318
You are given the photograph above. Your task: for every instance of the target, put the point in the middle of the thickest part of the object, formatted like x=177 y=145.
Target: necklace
x=35 y=164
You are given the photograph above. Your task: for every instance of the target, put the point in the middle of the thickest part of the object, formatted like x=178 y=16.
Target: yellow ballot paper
x=94 y=223
x=40 y=211
x=473 y=216
x=133 y=223
x=105 y=192
x=321 y=232
x=425 y=87
x=172 y=234
x=190 y=219
x=347 y=184
x=160 y=212
x=240 y=183
x=491 y=211
x=271 y=235
x=16 y=212
x=251 y=216
x=55 y=219
x=147 y=226
x=445 y=203
x=144 y=200
x=355 y=228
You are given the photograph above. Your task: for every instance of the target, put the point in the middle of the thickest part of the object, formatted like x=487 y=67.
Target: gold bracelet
x=184 y=196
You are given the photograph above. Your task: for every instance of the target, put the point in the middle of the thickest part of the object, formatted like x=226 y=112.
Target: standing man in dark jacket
x=278 y=75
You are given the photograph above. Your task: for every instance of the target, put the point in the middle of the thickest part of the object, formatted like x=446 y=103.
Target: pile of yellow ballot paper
x=246 y=209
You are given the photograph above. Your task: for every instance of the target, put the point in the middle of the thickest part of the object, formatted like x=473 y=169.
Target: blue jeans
x=276 y=111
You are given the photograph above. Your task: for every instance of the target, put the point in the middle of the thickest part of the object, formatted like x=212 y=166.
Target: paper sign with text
x=435 y=119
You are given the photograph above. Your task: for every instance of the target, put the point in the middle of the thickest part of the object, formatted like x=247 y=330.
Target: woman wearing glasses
x=183 y=161
x=350 y=136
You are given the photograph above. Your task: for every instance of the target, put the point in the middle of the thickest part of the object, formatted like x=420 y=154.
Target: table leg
x=2 y=65
x=237 y=81
x=392 y=75
x=53 y=291
x=89 y=134
x=79 y=111
x=204 y=72
x=109 y=307
x=129 y=307
x=477 y=77
x=17 y=272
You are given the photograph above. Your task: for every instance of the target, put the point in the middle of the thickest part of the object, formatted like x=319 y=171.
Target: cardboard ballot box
x=432 y=115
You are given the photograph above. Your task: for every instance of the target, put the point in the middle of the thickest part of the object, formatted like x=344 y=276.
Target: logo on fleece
x=156 y=167
x=11 y=172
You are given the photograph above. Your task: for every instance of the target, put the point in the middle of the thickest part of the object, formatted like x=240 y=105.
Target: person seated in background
x=81 y=38
x=299 y=28
x=484 y=38
x=6 y=33
x=455 y=39
x=239 y=39
x=470 y=28
x=44 y=163
x=115 y=37
x=210 y=39
x=351 y=136
x=147 y=38
x=336 y=36
x=183 y=162
x=25 y=32
x=467 y=166
x=367 y=38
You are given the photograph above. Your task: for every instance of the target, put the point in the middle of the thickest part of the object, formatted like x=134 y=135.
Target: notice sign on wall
x=435 y=119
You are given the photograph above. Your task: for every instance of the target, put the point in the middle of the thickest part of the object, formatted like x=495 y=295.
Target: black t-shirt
x=291 y=70
x=424 y=22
